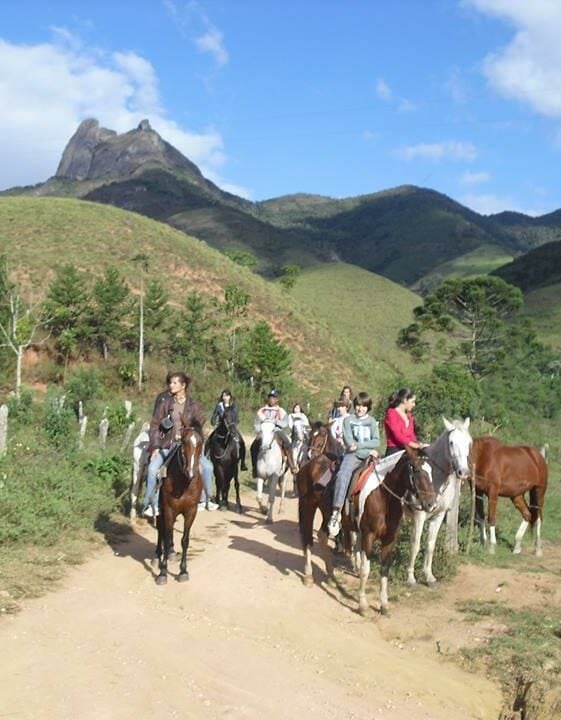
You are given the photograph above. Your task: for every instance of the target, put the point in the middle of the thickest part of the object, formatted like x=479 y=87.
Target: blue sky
x=334 y=97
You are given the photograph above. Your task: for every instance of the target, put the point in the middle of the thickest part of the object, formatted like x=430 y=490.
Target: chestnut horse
x=315 y=492
x=179 y=495
x=509 y=471
x=223 y=451
x=410 y=481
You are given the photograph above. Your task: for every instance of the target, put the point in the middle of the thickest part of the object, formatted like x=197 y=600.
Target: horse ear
x=466 y=423
x=447 y=424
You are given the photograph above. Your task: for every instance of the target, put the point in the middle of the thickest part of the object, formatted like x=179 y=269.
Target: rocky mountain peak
x=94 y=153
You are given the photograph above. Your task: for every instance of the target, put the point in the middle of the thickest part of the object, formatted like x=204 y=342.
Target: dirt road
x=244 y=639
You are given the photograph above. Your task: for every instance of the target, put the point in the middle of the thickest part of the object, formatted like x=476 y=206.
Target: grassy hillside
x=480 y=261
x=365 y=310
x=544 y=308
x=40 y=234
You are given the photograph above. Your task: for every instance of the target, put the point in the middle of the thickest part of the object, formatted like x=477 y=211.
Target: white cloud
x=475 y=178
x=452 y=149
x=489 y=204
x=528 y=68
x=46 y=90
x=213 y=42
x=383 y=90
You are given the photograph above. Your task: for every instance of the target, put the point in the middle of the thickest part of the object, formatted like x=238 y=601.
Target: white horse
x=448 y=456
x=271 y=468
x=139 y=465
x=299 y=440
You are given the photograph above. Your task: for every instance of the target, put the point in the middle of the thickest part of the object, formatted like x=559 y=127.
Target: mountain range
x=411 y=235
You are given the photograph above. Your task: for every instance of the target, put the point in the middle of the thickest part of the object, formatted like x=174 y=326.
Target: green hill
x=38 y=235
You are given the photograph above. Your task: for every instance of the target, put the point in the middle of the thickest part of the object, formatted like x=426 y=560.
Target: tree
x=242 y=257
x=464 y=321
x=19 y=323
x=264 y=358
x=195 y=336
x=156 y=313
x=112 y=305
x=234 y=308
x=67 y=307
x=142 y=261
x=289 y=275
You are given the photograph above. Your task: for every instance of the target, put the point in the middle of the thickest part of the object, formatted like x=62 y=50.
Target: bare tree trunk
x=4 y=411
x=141 y=336
x=19 y=358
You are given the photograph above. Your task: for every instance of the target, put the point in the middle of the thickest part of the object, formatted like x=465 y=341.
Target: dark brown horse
x=315 y=491
x=179 y=495
x=223 y=451
x=509 y=471
x=409 y=481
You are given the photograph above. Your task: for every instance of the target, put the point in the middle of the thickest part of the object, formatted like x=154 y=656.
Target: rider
x=399 y=423
x=336 y=424
x=346 y=397
x=272 y=411
x=297 y=416
x=361 y=437
x=173 y=410
x=227 y=401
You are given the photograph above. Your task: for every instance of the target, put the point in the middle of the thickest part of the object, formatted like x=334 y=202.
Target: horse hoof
x=412 y=582
x=161 y=580
x=268 y=521
x=222 y=508
x=432 y=583
x=308 y=580
x=183 y=577
x=240 y=509
x=385 y=611
x=363 y=610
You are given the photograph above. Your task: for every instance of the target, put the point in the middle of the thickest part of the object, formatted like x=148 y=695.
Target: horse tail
x=535 y=508
x=544 y=451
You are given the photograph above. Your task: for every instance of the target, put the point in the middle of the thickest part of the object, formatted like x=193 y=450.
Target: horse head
x=268 y=428
x=420 y=479
x=320 y=440
x=192 y=446
x=459 y=445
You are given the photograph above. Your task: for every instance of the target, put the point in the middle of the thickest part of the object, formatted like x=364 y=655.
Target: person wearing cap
x=272 y=411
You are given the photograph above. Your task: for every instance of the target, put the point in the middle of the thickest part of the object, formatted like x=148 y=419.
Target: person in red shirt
x=399 y=423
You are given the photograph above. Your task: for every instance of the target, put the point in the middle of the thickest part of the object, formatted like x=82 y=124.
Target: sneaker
x=334 y=525
x=149 y=512
x=211 y=505
x=243 y=467
x=201 y=505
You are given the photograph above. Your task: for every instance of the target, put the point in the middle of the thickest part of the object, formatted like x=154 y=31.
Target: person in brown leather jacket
x=173 y=410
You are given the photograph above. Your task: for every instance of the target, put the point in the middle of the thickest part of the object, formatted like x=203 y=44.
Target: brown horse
x=179 y=495
x=410 y=481
x=315 y=491
x=509 y=471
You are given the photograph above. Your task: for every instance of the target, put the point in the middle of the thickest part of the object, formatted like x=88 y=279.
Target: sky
x=330 y=97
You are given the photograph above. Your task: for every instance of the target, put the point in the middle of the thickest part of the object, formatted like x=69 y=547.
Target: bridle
x=412 y=490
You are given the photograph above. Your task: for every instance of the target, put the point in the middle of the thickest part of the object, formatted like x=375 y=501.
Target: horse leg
x=452 y=515
x=434 y=526
x=363 y=575
x=283 y=488
x=419 y=518
x=492 y=498
x=520 y=504
x=273 y=480
x=536 y=506
x=386 y=558
x=134 y=488
x=480 y=519
x=259 y=495
x=188 y=518
x=164 y=542
x=239 y=507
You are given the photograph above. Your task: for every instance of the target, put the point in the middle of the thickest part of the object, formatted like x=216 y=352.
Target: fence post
x=127 y=436
x=83 y=426
x=4 y=412
x=103 y=429
x=452 y=518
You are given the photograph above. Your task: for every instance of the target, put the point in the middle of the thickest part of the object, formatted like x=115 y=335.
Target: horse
x=382 y=514
x=299 y=439
x=223 y=451
x=449 y=460
x=139 y=466
x=509 y=471
x=315 y=492
x=271 y=468
x=179 y=495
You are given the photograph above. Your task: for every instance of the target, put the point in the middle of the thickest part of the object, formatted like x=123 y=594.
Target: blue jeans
x=152 y=493
x=349 y=463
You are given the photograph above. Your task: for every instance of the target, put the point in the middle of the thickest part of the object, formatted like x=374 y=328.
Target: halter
x=412 y=489
x=315 y=451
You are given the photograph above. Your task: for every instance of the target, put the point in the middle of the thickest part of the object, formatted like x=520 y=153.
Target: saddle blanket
x=324 y=480
x=374 y=480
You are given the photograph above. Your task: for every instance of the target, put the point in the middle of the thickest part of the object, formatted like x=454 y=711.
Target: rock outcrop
x=95 y=153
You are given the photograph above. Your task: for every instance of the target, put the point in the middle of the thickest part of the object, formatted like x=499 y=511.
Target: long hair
x=399 y=396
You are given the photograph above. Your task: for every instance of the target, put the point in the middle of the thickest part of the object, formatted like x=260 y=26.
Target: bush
x=85 y=384
x=20 y=408
x=59 y=422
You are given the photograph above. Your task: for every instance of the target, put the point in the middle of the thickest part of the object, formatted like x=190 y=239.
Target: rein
x=412 y=488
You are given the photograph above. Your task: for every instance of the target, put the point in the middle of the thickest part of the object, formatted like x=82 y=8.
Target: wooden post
x=4 y=412
x=128 y=408
x=103 y=430
x=471 y=512
x=127 y=436
x=83 y=426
